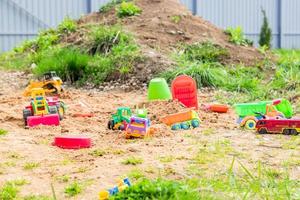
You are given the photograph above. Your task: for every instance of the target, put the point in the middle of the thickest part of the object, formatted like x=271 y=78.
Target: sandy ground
x=168 y=154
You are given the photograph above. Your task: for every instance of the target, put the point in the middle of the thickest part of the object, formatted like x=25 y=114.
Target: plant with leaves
x=237 y=36
x=265 y=36
x=127 y=9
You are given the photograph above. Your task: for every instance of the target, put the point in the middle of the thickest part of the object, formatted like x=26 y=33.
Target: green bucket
x=159 y=90
x=285 y=107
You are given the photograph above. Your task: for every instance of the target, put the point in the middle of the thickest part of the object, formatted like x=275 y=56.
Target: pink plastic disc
x=72 y=142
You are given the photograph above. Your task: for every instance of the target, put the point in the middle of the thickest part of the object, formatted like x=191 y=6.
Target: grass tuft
x=73 y=189
x=132 y=161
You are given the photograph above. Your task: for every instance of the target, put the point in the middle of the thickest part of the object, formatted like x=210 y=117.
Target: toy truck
x=138 y=128
x=120 y=119
x=184 y=120
x=250 y=113
x=40 y=111
x=285 y=126
x=51 y=83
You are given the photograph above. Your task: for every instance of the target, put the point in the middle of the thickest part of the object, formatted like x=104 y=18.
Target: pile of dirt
x=157 y=32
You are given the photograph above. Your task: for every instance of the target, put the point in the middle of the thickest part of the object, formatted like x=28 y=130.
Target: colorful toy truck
x=138 y=128
x=250 y=113
x=120 y=119
x=122 y=184
x=40 y=111
x=285 y=126
x=184 y=120
x=51 y=83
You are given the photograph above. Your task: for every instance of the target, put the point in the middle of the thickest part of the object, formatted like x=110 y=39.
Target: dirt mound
x=155 y=29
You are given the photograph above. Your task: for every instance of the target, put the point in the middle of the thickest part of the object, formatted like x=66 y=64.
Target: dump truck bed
x=177 y=118
x=246 y=109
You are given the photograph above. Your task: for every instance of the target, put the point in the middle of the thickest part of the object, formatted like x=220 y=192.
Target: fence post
x=89 y=6
x=279 y=13
x=194 y=7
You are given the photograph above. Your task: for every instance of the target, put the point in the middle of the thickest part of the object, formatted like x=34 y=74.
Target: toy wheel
x=50 y=86
x=293 y=132
x=286 y=132
x=53 y=110
x=175 y=127
x=195 y=123
x=250 y=124
x=262 y=131
x=185 y=126
x=61 y=110
x=121 y=127
x=26 y=113
x=111 y=124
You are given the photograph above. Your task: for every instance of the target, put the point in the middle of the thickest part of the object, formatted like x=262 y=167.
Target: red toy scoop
x=72 y=142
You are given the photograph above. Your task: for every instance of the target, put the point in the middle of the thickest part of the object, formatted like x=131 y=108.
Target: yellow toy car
x=51 y=83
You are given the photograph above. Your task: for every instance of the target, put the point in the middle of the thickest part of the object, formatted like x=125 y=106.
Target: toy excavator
x=51 y=83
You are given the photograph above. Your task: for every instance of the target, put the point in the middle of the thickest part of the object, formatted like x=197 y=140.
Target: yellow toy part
x=51 y=83
x=39 y=103
x=103 y=195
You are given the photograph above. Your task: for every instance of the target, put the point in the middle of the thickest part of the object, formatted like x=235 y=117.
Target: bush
x=69 y=63
x=73 y=189
x=265 y=36
x=237 y=36
x=127 y=9
x=67 y=26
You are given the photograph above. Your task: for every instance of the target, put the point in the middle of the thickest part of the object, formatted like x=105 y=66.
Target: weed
x=166 y=159
x=127 y=9
x=67 y=26
x=9 y=191
x=176 y=19
x=73 y=189
x=64 y=178
x=3 y=132
x=97 y=153
x=132 y=161
x=31 y=165
x=37 y=197
x=136 y=174
x=82 y=169
x=237 y=36
x=111 y=4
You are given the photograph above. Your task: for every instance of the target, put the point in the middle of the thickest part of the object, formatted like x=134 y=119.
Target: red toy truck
x=285 y=126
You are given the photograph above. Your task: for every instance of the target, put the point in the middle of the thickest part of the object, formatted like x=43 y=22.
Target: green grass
x=132 y=161
x=136 y=174
x=97 y=153
x=110 y=5
x=73 y=189
x=10 y=189
x=3 y=132
x=237 y=182
x=31 y=165
x=37 y=197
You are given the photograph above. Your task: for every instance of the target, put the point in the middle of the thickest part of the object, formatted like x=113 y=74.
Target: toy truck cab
x=285 y=126
x=138 y=128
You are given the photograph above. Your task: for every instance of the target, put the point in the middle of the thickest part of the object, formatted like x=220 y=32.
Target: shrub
x=69 y=63
x=127 y=9
x=67 y=26
x=237 y=36
x=265 y=36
